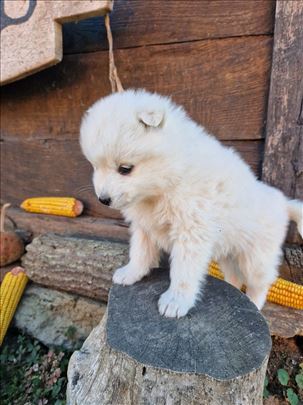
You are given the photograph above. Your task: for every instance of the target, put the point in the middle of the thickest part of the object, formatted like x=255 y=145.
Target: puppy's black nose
x=105 y=201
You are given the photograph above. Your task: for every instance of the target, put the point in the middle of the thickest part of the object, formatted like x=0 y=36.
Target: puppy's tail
x=295 y=212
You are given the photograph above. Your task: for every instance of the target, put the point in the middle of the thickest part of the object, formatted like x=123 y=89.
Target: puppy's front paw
x=174 y=304
x=126 y=275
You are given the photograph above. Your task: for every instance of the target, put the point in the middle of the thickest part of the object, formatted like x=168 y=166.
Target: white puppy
x=185 y=193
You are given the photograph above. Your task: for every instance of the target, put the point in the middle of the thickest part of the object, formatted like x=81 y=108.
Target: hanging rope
x=113 y=74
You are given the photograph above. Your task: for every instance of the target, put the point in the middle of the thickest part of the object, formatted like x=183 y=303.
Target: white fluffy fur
x=187 y=195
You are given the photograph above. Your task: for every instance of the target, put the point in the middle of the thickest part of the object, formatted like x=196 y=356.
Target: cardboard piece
x=31 y=32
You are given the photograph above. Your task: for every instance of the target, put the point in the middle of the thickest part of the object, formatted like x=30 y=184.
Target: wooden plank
x=223 y=84
x=48 y=167
x=31 y=33
x=251 y=152
x=137 y=23
x=84 y=226
x=52 y=167
x=283 y=162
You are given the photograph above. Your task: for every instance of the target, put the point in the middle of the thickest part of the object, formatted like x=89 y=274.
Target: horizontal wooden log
x=64 y=260
x=282 y=321
x=135 y=23
x=85 y=226
x=223 y=84
x=82 y=266
x=58 y=168
x=217 y=354
x=85 y=267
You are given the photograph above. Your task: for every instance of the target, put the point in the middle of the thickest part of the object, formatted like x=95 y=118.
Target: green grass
x=284 y=377
x=291 y=384
x=31 y=373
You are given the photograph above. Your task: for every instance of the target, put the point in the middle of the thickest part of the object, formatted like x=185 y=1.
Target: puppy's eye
x=125 y=169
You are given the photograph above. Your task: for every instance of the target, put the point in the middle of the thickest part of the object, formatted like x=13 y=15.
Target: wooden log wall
x=212 y=56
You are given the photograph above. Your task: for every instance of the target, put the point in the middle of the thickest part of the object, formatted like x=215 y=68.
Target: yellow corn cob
x=215 y=271
x=11 y=291
x=64 y=206
x=286 y=293
x=281 y=292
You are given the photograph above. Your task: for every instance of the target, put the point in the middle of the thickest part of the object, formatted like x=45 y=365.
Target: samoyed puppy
x=185 y=193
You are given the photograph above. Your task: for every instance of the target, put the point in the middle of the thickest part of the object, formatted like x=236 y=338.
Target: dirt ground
x=286 y=354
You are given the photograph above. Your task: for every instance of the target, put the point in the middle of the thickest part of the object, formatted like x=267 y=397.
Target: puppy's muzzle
x=105 y=200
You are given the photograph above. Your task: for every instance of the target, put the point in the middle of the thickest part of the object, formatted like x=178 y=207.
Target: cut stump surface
x=217 y=354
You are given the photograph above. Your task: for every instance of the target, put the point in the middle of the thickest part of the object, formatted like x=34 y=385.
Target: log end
x=224 y=336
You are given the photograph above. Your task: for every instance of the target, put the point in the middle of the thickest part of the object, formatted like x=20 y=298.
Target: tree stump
x=217 y=354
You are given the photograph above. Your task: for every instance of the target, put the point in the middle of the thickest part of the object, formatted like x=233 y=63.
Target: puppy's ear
x=151 y=118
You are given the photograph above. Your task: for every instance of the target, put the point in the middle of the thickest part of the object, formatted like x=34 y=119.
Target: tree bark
x=85 y=267
x=217 y=354
x=283 y=164
x=77 y=265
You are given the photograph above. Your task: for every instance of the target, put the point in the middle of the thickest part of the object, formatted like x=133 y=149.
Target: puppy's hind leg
x=230 y=269
x=260 y=272
x=144 y=255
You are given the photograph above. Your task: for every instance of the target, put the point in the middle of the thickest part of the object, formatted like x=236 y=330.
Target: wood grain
x=283 y=160
x=81 y=266
x=223 y=84
x=33 y=168
x=136 y=356
x=283 y=321
x=292 y=266
x=187 y=349
x=84 y=226
x=66 y=267
x=169 y=22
